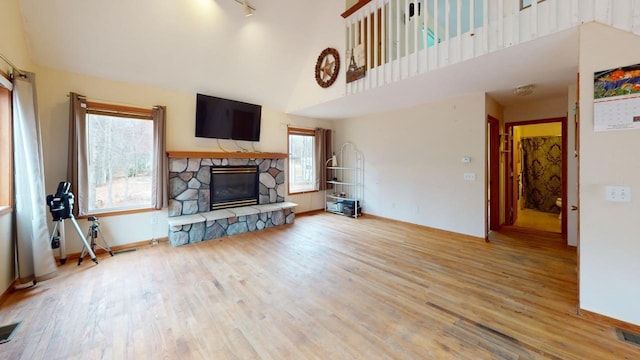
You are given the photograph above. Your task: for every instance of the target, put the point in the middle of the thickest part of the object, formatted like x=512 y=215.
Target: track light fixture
x=248 y=9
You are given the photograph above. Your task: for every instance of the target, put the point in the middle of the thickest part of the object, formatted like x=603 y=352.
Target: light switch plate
x=470 y=176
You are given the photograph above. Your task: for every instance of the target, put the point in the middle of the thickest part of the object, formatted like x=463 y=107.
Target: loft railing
x=391 y=40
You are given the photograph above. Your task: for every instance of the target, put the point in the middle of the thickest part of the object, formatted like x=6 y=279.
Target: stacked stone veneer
x=189 y=212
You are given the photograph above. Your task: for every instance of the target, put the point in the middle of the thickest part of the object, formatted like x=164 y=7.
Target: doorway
x=535 y=180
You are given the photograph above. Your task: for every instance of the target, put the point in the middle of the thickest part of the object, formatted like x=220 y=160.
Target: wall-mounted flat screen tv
x=227 y=119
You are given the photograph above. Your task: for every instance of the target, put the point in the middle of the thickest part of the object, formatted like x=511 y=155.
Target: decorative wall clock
x=327 y=67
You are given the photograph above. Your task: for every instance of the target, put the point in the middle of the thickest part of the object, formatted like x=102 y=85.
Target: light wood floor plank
x=326 y=287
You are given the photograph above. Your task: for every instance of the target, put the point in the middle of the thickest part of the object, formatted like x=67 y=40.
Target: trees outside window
x=302 y=173
x=120 y=162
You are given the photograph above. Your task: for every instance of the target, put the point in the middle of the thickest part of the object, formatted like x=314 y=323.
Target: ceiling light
x=524 y=90
x=248 y=9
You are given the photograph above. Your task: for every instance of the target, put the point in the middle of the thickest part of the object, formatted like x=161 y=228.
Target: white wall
x=307 y=92
x=535 y=110
x=12 y=45
x=609 y=245
x=412 y=163
x=53 y=87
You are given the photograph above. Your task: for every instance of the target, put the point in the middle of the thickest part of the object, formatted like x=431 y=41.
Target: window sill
x=303 y=192
x=5 y=210
x=116 y=213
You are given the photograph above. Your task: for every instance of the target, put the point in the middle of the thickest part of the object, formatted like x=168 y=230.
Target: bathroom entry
x=536 y=175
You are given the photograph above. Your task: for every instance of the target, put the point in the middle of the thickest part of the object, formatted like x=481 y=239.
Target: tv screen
x=227 y=119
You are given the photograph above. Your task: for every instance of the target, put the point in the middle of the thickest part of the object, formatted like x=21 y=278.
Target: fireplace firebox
x=234 y=186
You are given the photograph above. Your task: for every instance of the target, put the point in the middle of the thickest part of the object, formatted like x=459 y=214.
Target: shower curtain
x=542 y=172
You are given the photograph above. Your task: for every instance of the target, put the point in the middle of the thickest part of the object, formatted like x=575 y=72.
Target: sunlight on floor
x=532 y=219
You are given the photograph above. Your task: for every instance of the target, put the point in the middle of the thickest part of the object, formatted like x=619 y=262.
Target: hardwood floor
x=538 y=220
x=326 y=287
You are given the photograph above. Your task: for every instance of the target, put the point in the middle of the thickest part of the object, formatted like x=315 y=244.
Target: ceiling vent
x=524 y=90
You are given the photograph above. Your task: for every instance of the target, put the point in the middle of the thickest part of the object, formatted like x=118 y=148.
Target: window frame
x=523 y=6
x=105 y=109
x=300 y=132
x=6 y=149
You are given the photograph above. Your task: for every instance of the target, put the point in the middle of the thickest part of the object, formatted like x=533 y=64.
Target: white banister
x=398 y=44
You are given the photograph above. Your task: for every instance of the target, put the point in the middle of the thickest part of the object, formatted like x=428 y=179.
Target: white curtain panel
x=34 y=255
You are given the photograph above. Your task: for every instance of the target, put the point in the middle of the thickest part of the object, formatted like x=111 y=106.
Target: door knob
x=574 y=208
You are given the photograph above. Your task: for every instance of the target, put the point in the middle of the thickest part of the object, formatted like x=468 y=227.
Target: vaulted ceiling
x=209 y=46
x=185 y=45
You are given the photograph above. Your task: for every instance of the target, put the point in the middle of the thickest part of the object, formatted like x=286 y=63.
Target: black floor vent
x=7 y=332
x=124 y=251
x=629 y=337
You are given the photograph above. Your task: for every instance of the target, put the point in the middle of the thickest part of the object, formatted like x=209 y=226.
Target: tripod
x=94 y=231
x=58 y=223
x=61 y=208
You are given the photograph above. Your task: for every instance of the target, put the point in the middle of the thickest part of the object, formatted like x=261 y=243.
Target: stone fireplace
x=212 y=195
x=190 y=182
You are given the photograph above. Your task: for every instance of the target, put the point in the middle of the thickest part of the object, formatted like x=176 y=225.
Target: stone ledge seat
x=229 y=213
x=187 y=229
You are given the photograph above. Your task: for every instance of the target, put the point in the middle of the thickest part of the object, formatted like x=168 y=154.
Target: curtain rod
x=15 y=68
x=116 y=103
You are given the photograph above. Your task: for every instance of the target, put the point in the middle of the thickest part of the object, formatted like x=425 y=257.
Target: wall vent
x=629 y=337
x=8 y=331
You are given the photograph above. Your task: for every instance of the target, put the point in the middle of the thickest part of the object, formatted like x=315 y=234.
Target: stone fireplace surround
x=190 y=219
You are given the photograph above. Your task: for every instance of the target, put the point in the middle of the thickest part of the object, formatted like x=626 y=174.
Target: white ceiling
x=208 y=46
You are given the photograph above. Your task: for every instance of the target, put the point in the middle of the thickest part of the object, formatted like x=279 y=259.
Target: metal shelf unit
x=345 y=188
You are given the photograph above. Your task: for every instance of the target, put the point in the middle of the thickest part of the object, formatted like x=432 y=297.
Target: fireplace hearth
x=233 y=186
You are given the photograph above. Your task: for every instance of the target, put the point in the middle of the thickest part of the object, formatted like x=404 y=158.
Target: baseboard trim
x=5 y=295
x=608 y=320
x=436 y=230
x=117 y=248
x=309 y=212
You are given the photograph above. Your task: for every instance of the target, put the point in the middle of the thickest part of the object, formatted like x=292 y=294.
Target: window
x=120 y=157
x=6 y=173
x=526 y=3
x=302 y=167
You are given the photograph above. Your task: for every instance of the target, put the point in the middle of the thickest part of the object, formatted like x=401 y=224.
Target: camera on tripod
x=61 y=204
x=61 y=208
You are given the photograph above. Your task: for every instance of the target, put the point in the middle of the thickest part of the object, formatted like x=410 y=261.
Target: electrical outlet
x=154 y=219
x=470 y=176
x=617 y=193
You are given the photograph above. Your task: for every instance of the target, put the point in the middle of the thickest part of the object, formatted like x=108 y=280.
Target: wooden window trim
x=118 y=110
x=117 y=212
x=304 y=132
x=105 y=109
x=300 y=131
x=522 y=7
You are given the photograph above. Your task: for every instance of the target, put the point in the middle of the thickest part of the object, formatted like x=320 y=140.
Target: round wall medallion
x=327 y=67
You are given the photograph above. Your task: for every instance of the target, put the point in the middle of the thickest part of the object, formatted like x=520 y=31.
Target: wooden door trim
x=494 y=173
x=509 y=197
